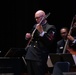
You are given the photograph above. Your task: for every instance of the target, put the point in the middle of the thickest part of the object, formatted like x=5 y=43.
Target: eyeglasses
x=38 y=17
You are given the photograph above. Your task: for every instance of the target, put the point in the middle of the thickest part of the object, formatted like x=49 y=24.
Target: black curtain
x=20 y=19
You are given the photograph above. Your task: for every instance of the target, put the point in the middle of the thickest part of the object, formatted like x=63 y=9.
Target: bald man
x=40 y=46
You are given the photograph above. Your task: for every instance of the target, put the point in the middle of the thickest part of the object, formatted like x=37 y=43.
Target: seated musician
x=60 y=44
x=65 y=36
x=72 y=38
x=71 y=48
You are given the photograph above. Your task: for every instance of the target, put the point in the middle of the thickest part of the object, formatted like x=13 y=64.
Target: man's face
x=64 y=33
x=38 y=18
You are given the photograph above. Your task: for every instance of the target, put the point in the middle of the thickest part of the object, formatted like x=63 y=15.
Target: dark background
x=20 y=19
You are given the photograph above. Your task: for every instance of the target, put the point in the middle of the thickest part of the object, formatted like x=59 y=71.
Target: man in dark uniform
x=61 y=67
x=72 y=40
x=41 y=44
x=61 y=43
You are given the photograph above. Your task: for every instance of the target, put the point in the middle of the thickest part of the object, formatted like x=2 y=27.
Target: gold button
x=34 y=46
x=36 y=41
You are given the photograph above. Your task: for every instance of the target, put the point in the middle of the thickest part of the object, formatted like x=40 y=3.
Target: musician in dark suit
x=72 y=39
x=41 y=44
x=61 y=43
x=61 y=67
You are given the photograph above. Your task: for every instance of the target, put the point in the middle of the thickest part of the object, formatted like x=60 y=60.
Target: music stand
x=15 y=52
x=59 y=57
x=68 y=57
x=55 y=58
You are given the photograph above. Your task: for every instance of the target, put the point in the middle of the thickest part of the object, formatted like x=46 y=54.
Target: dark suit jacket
x=60 y=46
x=40 y=46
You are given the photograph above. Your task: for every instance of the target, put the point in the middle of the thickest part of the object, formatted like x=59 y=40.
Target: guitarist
x=60 y=67
x=38 y=49
x=72 y=38
x=61 y=43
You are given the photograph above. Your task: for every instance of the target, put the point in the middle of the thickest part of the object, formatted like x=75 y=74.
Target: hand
x=28 y=35
x=39 y=28
x=69 y=37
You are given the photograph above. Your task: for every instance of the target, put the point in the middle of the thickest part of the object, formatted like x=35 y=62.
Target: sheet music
x=74 y=57
x=49 y=62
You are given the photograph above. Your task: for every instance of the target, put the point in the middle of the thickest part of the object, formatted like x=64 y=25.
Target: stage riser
x=70 y=73
x=73 y=73
x=7 y=74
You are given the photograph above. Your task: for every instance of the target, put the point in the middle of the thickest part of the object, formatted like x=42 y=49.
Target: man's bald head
x=39 y=13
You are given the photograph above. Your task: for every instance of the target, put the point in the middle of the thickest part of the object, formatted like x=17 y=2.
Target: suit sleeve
x=73 y=45
x=49 y=37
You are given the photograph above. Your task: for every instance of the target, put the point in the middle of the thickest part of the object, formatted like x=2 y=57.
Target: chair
x=61 y=67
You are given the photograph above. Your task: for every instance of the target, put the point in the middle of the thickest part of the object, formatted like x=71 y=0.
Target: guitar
x=70 y=31
x=71 y=50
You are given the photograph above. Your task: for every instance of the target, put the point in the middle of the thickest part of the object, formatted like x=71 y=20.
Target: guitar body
x=72 y=51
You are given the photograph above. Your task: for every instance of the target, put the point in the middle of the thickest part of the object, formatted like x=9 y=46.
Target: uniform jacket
x=39 y=47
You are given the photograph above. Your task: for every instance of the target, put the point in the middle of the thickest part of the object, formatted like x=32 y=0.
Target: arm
x=73 y=40
x=48 y=39
x=28 y=35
